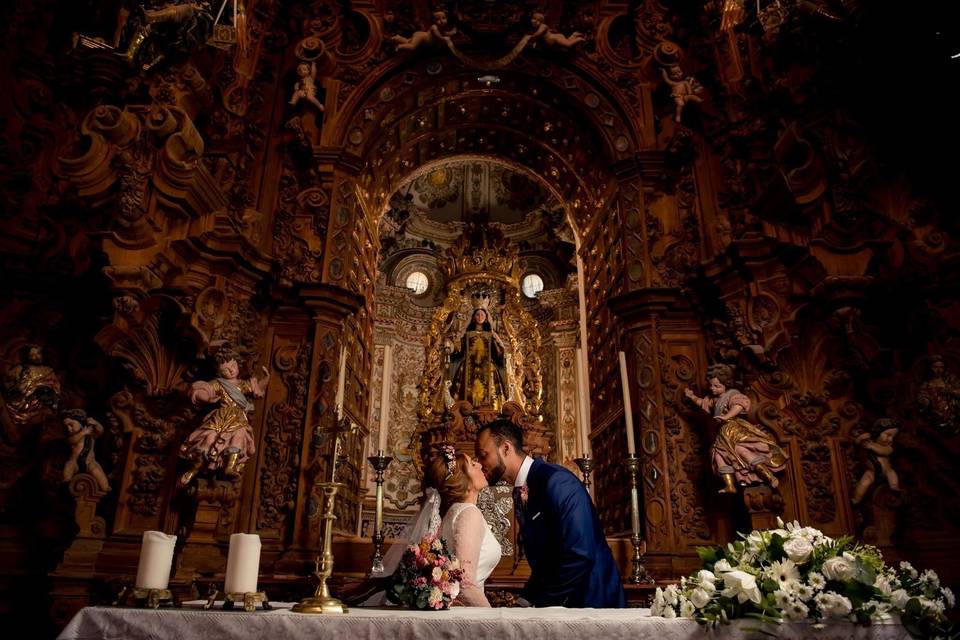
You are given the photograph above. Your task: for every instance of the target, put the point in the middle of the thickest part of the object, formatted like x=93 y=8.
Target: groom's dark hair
x=504 y=429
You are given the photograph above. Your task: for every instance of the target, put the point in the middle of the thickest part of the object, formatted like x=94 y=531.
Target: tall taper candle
x=243 y=563
x=583 y=404
x=341 y=382
x=627 y=410
x=156 y=559
x=385 y=397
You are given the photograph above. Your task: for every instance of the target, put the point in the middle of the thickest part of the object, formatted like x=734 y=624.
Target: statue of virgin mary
x=476 y=368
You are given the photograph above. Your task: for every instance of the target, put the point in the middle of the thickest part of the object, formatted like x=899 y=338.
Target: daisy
x=783 y=570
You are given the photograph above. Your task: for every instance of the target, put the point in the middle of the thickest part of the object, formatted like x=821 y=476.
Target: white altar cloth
x=459 y=623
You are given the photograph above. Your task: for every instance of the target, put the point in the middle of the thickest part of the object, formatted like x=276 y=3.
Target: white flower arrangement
x=796 y=573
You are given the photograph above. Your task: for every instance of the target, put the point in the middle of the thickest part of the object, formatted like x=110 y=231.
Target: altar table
x=460 y=623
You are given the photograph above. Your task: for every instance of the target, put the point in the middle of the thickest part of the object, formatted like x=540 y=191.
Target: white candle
x=627 y=410
x=156 y=559
x=341 y=381
x=243 y=563
x=583 y=404
x=385 y=397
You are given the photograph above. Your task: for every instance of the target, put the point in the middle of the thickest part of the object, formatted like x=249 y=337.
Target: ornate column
x=563 y=332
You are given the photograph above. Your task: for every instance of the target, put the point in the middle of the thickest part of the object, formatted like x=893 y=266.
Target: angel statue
x=306 y=87
x=552 y=38
x=742 y=452
x=877 y=448
x=224 y=441
x=437 y=33
x=683 y=90
x=81 y=432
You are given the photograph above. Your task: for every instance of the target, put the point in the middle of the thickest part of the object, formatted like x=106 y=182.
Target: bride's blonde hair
x=451 y=481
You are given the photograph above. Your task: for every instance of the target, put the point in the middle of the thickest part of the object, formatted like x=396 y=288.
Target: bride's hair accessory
x=450 y=455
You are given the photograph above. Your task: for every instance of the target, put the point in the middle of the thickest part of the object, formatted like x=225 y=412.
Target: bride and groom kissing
x=570 y=562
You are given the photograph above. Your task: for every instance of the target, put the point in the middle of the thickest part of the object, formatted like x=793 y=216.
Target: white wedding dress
x=469 y=538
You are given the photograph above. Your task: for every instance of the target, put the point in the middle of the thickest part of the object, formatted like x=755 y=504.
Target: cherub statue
x=877 y=447
x=306 y=87
x=437 y=33
x=939 y=398
x=682 y=90
x=551 y=38
x=82 y=431
x=31 y=390
x=224 y=441
x=742 y=452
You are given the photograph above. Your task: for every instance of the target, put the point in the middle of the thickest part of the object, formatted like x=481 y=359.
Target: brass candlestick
x=379 y=463
x=149 y=598
x=586 y=468
x=640 y=574
x=322 y=601
x=249 y=600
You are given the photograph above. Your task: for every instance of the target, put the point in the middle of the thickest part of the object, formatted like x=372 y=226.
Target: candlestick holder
x=322 y=601
x=149 y=598
x=249 y=599
x=379 y=463
x=640 y=575
x=586 y=465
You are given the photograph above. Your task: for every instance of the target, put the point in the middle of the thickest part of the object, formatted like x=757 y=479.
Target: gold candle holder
x=586 y=468
x=322 y=600
x=149 y=598
x=379 y=463
x=249 y=599
x=639 y=574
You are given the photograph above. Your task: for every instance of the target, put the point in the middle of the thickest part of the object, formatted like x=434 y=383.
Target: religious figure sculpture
x=82 y=431
x=876 y=447
x=939 y=398
x=437 y=33
x=153 y=34
x=742 y=452
x=31 y=390
x=306 y=87
x=477 y=366
x=683 y=90
x=224 y=441
x=552 y=38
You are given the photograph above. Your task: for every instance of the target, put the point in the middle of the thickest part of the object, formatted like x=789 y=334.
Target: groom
x=571 y=564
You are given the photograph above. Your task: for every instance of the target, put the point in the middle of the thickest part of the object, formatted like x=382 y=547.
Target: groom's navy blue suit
x=571 y=564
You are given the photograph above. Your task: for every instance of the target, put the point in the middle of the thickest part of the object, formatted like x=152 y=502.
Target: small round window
x=417 y=281
x=532 y=285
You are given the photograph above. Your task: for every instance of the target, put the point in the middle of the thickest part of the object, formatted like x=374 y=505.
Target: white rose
x=798 y=550
x=699 y=597
x=437 y=574
x=742 y=585
x=454 y=590
x=671 y=595
x=883 y=585
x=837 y=568
x=899 y=598
x=948 y=597
x=704 y=576
x=722 y=566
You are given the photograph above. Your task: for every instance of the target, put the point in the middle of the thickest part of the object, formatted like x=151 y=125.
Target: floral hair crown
x=450 y=455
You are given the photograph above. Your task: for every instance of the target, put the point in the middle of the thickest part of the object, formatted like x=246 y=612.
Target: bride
x=454 y=482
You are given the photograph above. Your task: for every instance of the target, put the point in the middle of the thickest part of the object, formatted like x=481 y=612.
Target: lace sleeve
x=468 y=530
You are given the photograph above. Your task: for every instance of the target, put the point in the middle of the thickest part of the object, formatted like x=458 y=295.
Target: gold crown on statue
x=481 y=300
x=481 y=250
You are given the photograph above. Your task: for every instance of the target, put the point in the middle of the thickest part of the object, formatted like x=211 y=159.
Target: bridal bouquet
x=428 y=576
x=797 y=573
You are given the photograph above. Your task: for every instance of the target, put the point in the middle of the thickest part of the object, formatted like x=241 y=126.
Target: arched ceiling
x=476 y=190
x=547 y=119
